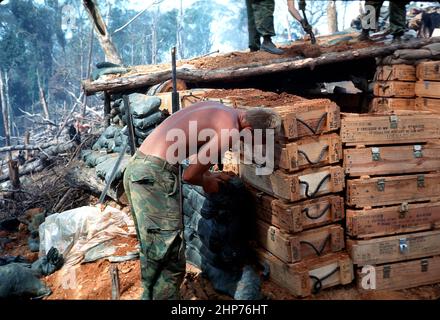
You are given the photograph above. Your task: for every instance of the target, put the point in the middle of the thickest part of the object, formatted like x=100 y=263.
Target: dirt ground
x=297 y=50
x=93 y=281
x=253 y=97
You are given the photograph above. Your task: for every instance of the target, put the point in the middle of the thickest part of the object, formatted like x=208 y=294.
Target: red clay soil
x=297 y=50
x=253 y=97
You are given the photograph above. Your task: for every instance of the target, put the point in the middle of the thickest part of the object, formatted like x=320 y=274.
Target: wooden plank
x=393 y=220
x=300 y=278
x=399 y=72
x=293 y=187
x=392 y=160
x=402 y=275
x=428 y=104
x=187 y=98
x=395 y=248
x=428 y=89
x=309 y=117
x=309 y=152
x=295 y=247
x=393 y=190
x=429 y=70
x=372 y=129
x=299 y=216
x=383 y=105
x=397 y=89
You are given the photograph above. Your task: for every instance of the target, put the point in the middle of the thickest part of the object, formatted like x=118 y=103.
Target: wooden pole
x=27 y=138
x=107 y=108
x=14 y=175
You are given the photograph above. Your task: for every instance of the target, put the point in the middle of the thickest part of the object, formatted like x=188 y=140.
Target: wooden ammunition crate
x=307 y=118
x=398 y=89
x=307 y=184
x=309 y=152
x=428 y=104
x=300 y=216
x=303 y=279
x=428 y=89
x=375 y=161
x=295 y=247
x=429 y=70
x=371 y=129
x=399 y=72
x=371 y=192
x=394 y=248
x=393 y=220
x=383 y=105
x=400 y=275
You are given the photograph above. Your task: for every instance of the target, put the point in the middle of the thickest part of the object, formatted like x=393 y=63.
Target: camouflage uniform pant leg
x=254 y=36
x=398 y=16
x=377 y=5
x=153 y=197
x=263 y=14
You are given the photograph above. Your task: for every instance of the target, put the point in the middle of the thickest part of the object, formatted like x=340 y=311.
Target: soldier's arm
x=198 y=171
x=293 y=11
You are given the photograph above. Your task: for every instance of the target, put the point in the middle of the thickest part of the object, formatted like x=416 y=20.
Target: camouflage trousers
x=397 y=14
x=260 y=20
x=153 y=193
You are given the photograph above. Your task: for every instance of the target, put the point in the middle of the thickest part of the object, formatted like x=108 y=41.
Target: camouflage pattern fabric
x=260 y=20
x=153 y=194
x=397 y=14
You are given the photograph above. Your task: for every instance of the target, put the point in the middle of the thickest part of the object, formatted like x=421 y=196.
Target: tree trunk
x=14 y=175
x=5 y=114
x=27 y=138
x=89 y=67
x=43 y=101
x=202 y=77
x=103 y=35
x=332 y=17
x=82 y=177
x=180 y=45
x=154 y=39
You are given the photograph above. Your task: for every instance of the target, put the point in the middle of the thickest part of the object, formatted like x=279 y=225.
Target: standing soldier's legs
x=254 y=36
x=263 y=13
x=152 y=194
x=377 y=5
x=398 y=17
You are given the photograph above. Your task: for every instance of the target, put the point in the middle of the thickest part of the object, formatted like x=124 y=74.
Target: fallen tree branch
x=27 y=147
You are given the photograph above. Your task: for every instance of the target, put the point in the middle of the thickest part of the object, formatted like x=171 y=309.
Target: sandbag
x=12 y=259
x=49 y=263
x=17 y=280
x=434 y=48
x=110 y=132
x=151 y=120
x=104 y=169
x=142 y=105
x=142 y=134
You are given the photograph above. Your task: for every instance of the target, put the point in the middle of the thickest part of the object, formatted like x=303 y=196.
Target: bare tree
x=332 y=17
x=5 y=114
x=101 y=32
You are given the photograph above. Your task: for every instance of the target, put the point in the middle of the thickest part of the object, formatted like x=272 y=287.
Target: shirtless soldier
x=151 y=185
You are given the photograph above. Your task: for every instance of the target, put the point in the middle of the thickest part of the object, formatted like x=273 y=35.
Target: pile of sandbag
x=411 y=56
x=218 y=228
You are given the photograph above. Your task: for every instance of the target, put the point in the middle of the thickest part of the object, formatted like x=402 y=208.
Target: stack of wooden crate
x=298 y=206
x=393 y=198
x=427 y=88
x=394 y=88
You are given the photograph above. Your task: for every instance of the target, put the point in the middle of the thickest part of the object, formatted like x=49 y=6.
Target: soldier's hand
x=306 y=26
x=212 y=181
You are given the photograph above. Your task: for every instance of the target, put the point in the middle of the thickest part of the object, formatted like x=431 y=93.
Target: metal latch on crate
x=418 y=151
x=381 y=184
x=424 y=264
x=386 y=272
x=393 y=121
x=375 y=154
x=403 y=210
x=403 y=245
x=272 y=234
x=421 y=181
